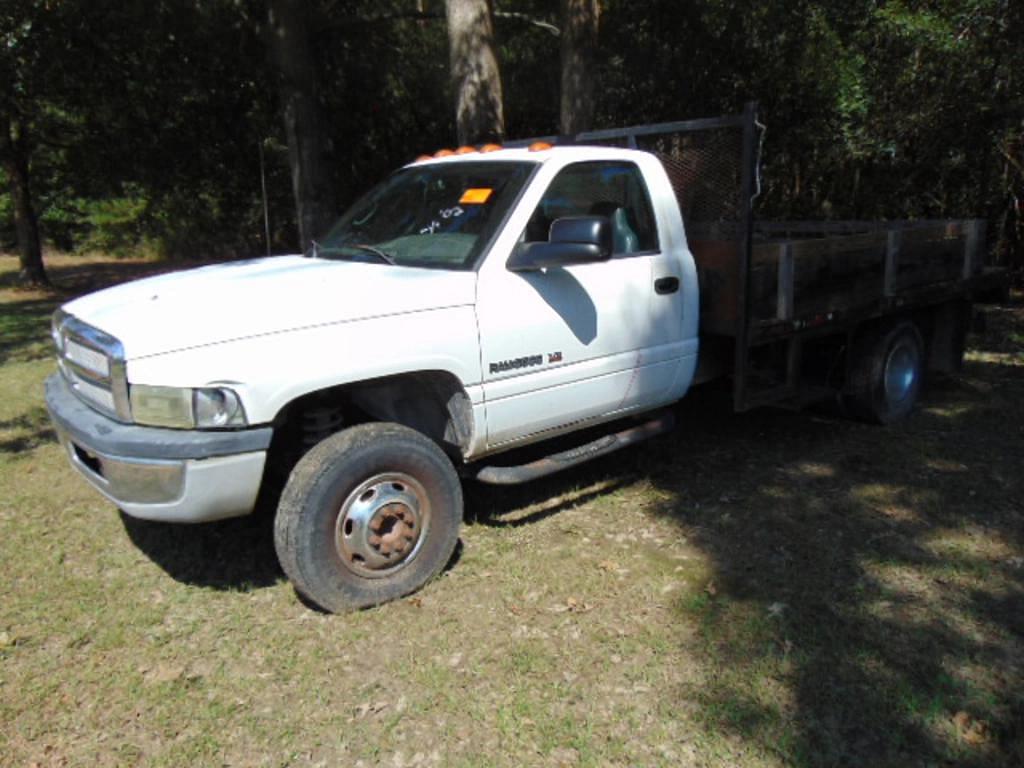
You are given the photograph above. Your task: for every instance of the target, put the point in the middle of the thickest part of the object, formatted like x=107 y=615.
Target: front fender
x=271 y=370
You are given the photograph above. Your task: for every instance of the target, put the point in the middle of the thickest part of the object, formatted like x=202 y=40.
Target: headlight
x=183 y=408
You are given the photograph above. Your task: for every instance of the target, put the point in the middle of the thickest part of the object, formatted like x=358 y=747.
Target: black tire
x=885 y=379
x=382 y=475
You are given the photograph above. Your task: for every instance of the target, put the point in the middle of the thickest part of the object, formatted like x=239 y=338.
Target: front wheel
x=368 y=515
x=886 y=376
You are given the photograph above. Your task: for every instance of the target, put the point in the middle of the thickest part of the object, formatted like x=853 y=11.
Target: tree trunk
x=476 y=79
x=579 y=45
x=14 y=158
x=304 y=122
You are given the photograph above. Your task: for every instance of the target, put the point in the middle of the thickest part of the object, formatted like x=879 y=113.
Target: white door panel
x=584 y=322
x=517 y=416
x=567 y=345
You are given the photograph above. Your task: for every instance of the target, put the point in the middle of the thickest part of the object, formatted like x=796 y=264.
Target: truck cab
x=477 y=301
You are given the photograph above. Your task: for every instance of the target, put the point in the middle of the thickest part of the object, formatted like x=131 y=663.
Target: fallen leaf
x=6 y=640
x=711 y=589
x=971 y=730
x=609 y=566
x=577 y=606
x=165 y=673
x=369 y=708
x=978 y=733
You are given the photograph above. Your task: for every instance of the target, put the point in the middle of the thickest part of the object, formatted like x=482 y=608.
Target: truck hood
x=236 y=300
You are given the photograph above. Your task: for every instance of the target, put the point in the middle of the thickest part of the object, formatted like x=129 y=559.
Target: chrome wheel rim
x=900 y=373
x=382 y=525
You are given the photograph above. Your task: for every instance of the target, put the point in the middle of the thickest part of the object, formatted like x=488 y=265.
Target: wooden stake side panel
x=839 y=273
x=718 y=275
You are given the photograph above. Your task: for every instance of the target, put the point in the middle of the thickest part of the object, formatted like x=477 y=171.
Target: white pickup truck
x=474 y=302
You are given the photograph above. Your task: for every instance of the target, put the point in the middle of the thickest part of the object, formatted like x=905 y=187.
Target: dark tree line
x=155 y=124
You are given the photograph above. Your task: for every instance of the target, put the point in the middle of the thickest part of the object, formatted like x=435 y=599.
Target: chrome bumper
x=160 y=474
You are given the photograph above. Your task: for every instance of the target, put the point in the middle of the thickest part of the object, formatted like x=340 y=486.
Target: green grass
x=774 y=589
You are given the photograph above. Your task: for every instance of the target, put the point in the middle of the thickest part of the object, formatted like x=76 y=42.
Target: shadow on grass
x=31 y=429
x=866 y=607
x=236 y=554
x=832 y=579
x=24 y=329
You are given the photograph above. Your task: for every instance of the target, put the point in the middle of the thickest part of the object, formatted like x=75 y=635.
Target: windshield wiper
x=386 y=258
x=318 y=251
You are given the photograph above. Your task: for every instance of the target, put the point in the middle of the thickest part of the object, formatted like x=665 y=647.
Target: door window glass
x=612 y=189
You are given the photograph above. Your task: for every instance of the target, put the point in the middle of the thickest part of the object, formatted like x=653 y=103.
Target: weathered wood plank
x=892 y=256
x=717 y=272
x=974 y=244
x=793 y=279
x=785 y=286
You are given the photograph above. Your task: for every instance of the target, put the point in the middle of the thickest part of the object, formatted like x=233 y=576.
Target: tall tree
x=579 y=46
x=304 y=121
x=19 y=55
x=15 y=162
x=476 y=79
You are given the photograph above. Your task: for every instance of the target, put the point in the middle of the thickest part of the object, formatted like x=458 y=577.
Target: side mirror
x=572 y=240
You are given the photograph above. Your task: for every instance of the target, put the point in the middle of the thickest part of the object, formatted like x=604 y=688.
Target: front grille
x=92 y=363
x=88 y=358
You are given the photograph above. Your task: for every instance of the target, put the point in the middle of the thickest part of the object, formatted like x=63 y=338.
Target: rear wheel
x=885 y=380
x=368 y=515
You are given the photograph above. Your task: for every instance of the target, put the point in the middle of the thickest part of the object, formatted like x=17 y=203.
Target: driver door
x=567 y=345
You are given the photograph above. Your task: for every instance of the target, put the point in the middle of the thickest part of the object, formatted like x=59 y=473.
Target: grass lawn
x=772 y=589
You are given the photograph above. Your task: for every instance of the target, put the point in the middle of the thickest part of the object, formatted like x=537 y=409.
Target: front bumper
x=170 y=475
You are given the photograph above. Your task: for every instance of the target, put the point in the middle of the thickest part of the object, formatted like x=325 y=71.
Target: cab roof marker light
x=465 y=150
x=421 y=158
x=491 y=148
x=539 y=146
x=443 y=153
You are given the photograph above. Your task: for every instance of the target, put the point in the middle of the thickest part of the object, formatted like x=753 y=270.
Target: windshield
x=428 y=216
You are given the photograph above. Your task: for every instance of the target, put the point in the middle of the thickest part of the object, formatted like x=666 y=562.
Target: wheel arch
x=432 y=402
x=943 y=328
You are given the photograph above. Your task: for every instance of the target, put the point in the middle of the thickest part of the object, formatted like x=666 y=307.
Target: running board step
x=556 y=462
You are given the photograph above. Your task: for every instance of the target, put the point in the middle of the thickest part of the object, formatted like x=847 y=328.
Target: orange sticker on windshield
x=477 y=196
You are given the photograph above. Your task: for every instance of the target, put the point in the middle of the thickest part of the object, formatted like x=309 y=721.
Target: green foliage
x=114 y=224
x=145 y=120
